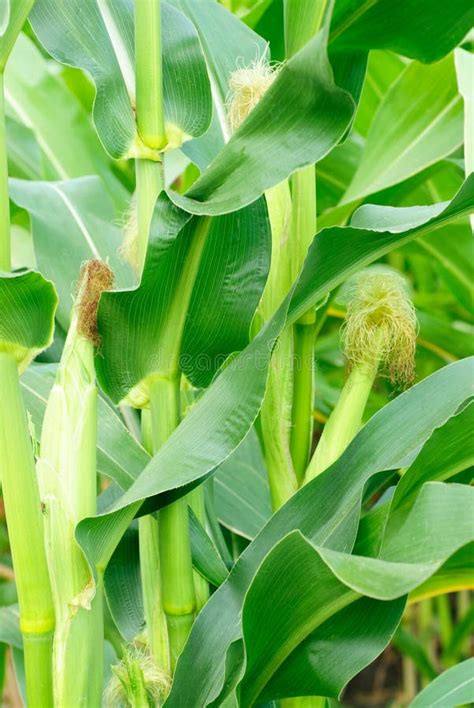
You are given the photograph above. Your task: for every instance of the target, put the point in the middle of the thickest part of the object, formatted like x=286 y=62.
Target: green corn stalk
x=275 y=414
x=25 y=530
x=68 y=481
x=248 y=86
x=165 y=549
x=303 y=19
x=19 y=483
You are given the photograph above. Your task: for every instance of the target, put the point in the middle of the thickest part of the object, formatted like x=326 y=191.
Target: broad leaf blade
x=72 y=221
x=242 y=496
x=64 y=133
x=226 y=411
x=453 y=688
x=98 y=37
x=28 y=303
x=322 y=516
x=299 y=120
x=421 y=29
x=407 y=135
x=231 y=276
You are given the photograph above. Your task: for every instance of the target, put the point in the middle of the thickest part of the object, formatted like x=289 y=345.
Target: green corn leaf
x=383 y=68
x=456 y=574
x=83 y=210
x=282 y=610
x=242 y=496
x=401 y=566
x=449 y=340
x=65 y=137
x=338 y=252
x=453 y=688
x=12 y=17
x=99 y=38
x=226 y=411
x=302 y=116
x=227 y=45
x=206 y=559
x=456 y=261
x=10 y=626
x=408 y=135
x=123 y=587
x=232 y=272
x=25 y=157
x=421 y=29
x=440 y=523
x=322 y=516
x=28 y=303
x=448 y=451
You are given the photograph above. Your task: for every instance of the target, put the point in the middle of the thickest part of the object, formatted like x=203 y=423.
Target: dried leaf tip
x=381 y=325
x=95 y=277
x=247 y=86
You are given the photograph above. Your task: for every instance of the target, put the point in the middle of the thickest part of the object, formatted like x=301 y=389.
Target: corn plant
x=236 y=341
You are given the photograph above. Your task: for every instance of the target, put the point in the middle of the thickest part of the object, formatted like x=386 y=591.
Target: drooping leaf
x=429 y=536
x=326 y=518
x=421 y=29
x=28 y=303
x=282 y=610
x=454 y=575
x=298 y=121
x=229 y=282
x=454 y=687
x=226 y=411
x=227 y=45
x=210 y=432
x=338 y=252
x=449 y=450
x=123 y=587
x=406 y=135
x=416 y=543
x=72 y=221
x=99 y=38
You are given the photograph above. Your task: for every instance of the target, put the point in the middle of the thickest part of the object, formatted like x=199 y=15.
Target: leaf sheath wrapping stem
x=67 y=477
x=25 y=529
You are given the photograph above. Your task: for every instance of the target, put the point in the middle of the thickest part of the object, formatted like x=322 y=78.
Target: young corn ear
x=379 y=333
x=247 y=86
x=380 y=327
x=67 y=477
x=136 y=681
